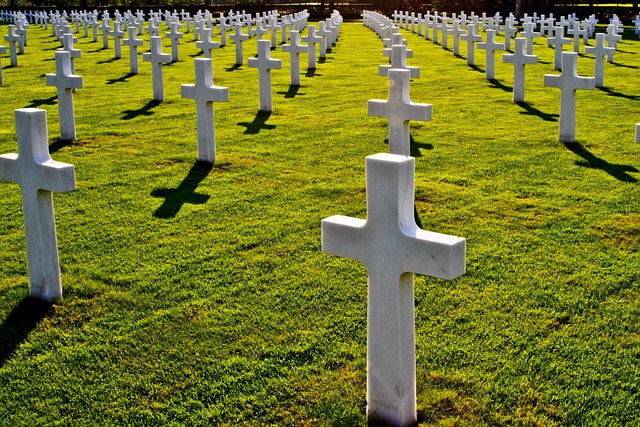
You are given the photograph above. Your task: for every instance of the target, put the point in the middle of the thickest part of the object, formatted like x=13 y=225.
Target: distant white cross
x=490 y=46
x=398 y=60
x=65 y=81
x=568 y=82
x=239 y=37
x=117 y=34
x=205 y=93
x=393 y=248
x=471 y=37
x=206 y=45
x=175 y=35
x=557 y=41
x=600 y=51
x=519 y=59
x=3 y=51
x=529 y=34
x=133 y=42
x=264 y=63
x=156 y=58
x=399 y=110
x=38 y=176
x=295 y=49
x=13 y=38
x=311 y=39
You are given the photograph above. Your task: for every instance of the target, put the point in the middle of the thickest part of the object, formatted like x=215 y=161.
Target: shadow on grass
x=97 y=50
x=474 y=67
x=499 y=85
x=292 y=92
x=619 y=94
x=145 y=110
x=35 y=103
x=234 y=67
x=258 y=123
x=58 y=144
x=617 y=64
x=108 y=61
x=174 y=198
x=23 y=319
x=311 y=72
x=415 y=147
x=122 y=79
x=619 y=172
x=532 y=111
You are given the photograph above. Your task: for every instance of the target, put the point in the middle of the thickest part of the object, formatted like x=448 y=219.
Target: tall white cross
x=3 y=51
x=13 y=38
x=264 y=63
x=311 y=39
x=529 y=34
x=519 y=59
x=398 y=60
x=490 y=46
x=38 y=176
x=133 y=42
x=65 y=81
x=273 y=27
x=105 y=27
x=295 y=49
x=393 y=248
x=239 y=37
x=325 y=42
x=117 y=34
x=206 y=45
x=471 y=37
x=399 y=110
x=568 y=82
x=557 y=41
x=205 y=93
x=175 y=35
x=156 y=58
x=600 y=51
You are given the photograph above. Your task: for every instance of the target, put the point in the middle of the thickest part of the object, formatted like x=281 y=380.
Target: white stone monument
x=557 y=41
x=65 y=82
x=295 y=49
x=206 y=45
x=600 y=51
x=117 y=34
x=398 y=61
x=471 y=37
x=157 y=58
x=399 y=110
x=133 y=42
x=311 y=39
x=205 y=93
x=175 y=35
x=568 y=82
x=264 y=63
x=393 y=248
x=490 y=46
x=519 y=59
x=239 y=37
x=38 y=176
x=3 y=51
x=13 y=38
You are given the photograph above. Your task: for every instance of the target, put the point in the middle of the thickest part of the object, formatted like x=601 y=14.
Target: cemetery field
x=198 y=294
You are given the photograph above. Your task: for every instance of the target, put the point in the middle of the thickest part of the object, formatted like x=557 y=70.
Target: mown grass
x=198 y=295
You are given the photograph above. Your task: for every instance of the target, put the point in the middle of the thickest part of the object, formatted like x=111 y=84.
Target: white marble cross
x=205 y=93
x=273 y=27
x=13 y=38
x=239 y=37
x=295 y=49
x=117 y=34
x=325 y=42
x=399 y=110
x=264 y=63
x=3 y=51
x=398 y=60
x=105 y=27
x=490 y=46
x=67 y=44
x=65 y=81
x=133 y=42
x=456 y=31
x=568 y=82
x=223 y=27
x=471 y=37
x=156 y=58
x=529 y=34
x=38 y=176
x=600 y=51
x=519 y=59
x=175 y=35
x=393 y=248
x=206 y=45
x=311 y=39
x=557 y=41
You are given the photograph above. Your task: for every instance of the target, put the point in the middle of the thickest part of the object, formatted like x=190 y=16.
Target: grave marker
x=3 y=51
x=264 y=63
x=12 y=38
x=175 y=35
x=393 y=248
x=471 y=37
x=557 y=41
x=490 y=46
x=133 y=42
x=65 y=82
x=311 y=39
x=295 y=49
x=568 y=82
x=206 y=45
x=239 y=37
x=519 y=59
x=399 y=110
x=38 y=176
x=600 y=51
x=156 y=58
x=205 y=93
x=398 y=60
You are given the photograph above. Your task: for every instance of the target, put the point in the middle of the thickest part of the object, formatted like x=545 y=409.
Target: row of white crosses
x=393 y=248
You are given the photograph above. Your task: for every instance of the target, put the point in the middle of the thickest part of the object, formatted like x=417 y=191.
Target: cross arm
x=444 y=256
x=343 y=235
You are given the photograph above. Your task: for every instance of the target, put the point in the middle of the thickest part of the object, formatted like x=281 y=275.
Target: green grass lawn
x=199 y=295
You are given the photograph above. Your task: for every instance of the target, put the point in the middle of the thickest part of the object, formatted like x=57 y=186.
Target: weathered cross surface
x=399 y=110
x=264 y=63
x=490 y=46
x=65 y=82
x=568 y=82
x=295 y=49
x=156 y=58
x=38 y=176
x=392 y=247
x=519 y=59
x=205 y=93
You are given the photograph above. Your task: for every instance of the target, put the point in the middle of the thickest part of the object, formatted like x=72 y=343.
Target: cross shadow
x=108 y=61
x=322 y=60
x=35 y=103
x=474 y=67
x=619 y=172
x=234 y=67
x=122 y=79
x=499 y=85
x=143 y=111
x=617 y=64
x=23 y=319
x=97 y=50
x=311 y=72
x=58 y=144
x=174 y=198
x=610 y=92
x=292 y=92
x=195 y=55
x=532 y=111
x=416 y=147
x=259 y=122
